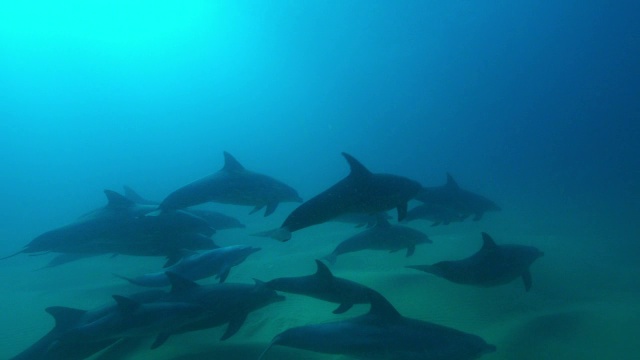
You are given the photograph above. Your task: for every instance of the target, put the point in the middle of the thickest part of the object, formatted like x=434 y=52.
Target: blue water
x=532 y=105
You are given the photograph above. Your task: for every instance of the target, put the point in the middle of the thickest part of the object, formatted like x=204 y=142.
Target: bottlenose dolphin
x=120 y=229
x=324 y=285
x=435 y=213
x=233 y=184
x=384 y=334
x=225 y=303
x=361 y=219
x=383 y=236
x=452 y=196
x=135 y=319
x=53 y=346
x=360 y=192
x=492 y=265
x=215 y=219
x=196 y=266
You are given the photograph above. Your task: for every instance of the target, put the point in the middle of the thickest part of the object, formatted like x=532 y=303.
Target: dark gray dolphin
x=105 y=222
x=225 y=303
x=435 y=213
x=360 y=192
x=53 y=346
x=383 y=236
x=384 y=334
x=233 y=184
x=324 y=286
x=135 y=319
x=361 y=219
x=492 y=265
x=196 y=266
x=457 y=199
x=216 y=220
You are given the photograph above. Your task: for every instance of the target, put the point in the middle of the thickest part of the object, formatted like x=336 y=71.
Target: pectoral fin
x=256 y=209
x=402 y=211
x=234 y=326
x=271 y=207
x=342 y=308
x=224 y=274
x=526 y=278
x=410 y=250
x=160 y=339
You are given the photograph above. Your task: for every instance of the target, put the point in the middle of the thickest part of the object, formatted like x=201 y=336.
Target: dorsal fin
x=230 y=163
x=381 y=307
x=357 y=169
x=116 y=200
x=125 y=304
x=65 y=317
x=180 y=283
x=487 y=242
x=323 y=271
x=451 y=183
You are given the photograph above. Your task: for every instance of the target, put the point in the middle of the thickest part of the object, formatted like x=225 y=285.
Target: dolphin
x=492 y=265
x=383 y=236
x=361 y=219
x=225 y=303
x=462 y=201
x=438 y=214
x=215 y=219
x=196 y=266
x=135 y=319
x=233 y=184
x=360 y=192
x=324 y=286
x=53 y=346
x=112 y=228
x=384 y=334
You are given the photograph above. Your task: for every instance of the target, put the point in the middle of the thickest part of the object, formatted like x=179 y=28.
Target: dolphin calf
x=324 y=286
x=384 y=334
x=452 y=196
x=360 y=192
x=383 y=236
x=196 y=266
x=492 y=265
x=233 y=184
x=225 y=303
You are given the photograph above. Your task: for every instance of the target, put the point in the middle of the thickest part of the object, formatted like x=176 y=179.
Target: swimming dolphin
x=135 y=319
x=120 y=229
x=233 y=184
x=225 y=303
x=383 y=236
x=360 y=192
x=215 y=219
x=361 y=219
x=53 y=346
x=453 y=197
x=384 y=334
x=492 y=265
x=324 y=286
x=196 y=266
x=435 y=213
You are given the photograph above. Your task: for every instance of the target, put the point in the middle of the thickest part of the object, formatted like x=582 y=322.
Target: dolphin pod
x=173 y=228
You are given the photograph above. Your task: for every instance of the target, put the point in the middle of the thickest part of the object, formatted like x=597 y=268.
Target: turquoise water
x=534 y=106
